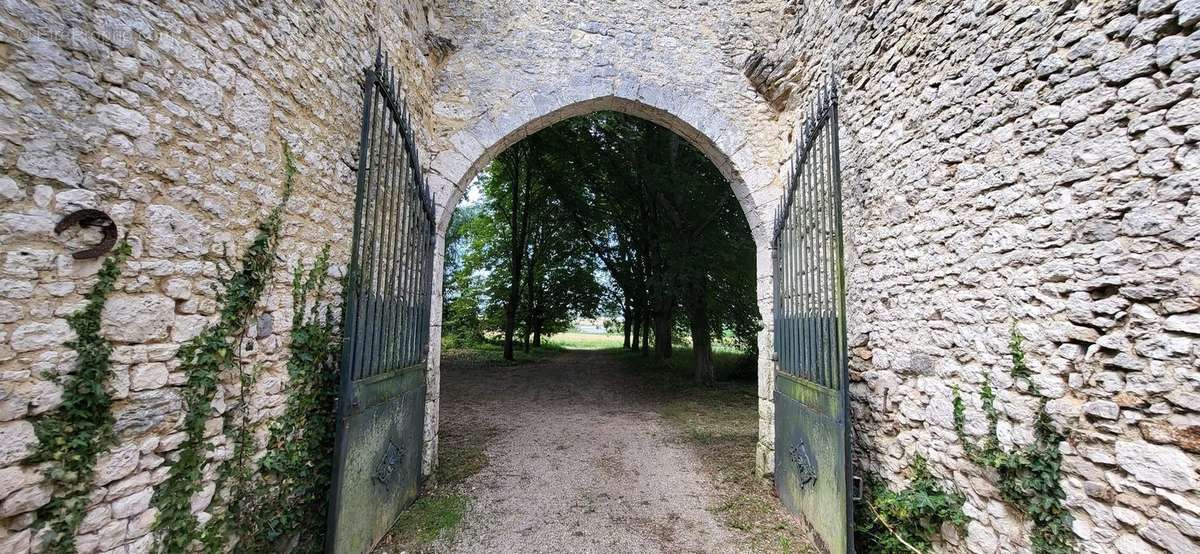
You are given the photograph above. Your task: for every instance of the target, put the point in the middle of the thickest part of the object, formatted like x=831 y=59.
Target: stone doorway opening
x=460 y=410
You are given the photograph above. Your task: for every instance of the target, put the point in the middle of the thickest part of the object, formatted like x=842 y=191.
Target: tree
x=662 y=219
x=613 y=193
x=463 y=293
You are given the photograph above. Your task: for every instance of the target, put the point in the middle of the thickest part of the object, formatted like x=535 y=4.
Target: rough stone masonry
x=1005 y=163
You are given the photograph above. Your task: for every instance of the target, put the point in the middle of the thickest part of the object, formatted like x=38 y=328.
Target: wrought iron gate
x=381 y=403
x=812 y=428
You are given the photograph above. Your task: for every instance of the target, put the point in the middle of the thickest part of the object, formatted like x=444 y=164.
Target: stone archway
x=711 y=131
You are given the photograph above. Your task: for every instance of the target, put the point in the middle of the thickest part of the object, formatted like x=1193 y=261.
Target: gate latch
x=856 y=485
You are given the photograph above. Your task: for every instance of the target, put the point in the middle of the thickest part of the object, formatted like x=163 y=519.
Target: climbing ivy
x=282 y=506
x=235 y=471
x=289 y=500
x=907 y=520
x=203 y=359
x=1029 y=478
x=73 y=435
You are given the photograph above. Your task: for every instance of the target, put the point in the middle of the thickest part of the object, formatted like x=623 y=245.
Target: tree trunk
x=663 y=320
x=636 y=323
x=701 y=341
x=537 y=334
x=645 y=332
x=531 y=282
x=519 y=225
x=625 y=324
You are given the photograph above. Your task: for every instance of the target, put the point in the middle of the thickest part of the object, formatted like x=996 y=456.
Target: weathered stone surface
x=1183 y=323
x=204 y=94
x=1158 y=465
x=41 y=159
x=25 y=500
x=186 y=327
x=1020 y=162
x=132 y=505
x=16 y=441
x=148 y=376
x=145 y=411
x=1168 y=537
x=1188 y=12
x=123 y=120
x=10 y=190
x=39 y=336
x=116 y=464
x=137 y=318
x=174 y=232
x=1102 y=408
x=13 y=478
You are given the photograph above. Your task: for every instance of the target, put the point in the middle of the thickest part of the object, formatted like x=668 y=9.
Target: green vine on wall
x=72 y=436
x=907 y=520
x=282 y=506
x=1029 y=478
x=235 y=471
x=203 y=359
x=289 y=504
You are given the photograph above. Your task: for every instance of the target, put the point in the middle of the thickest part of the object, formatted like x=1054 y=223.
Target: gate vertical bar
x=381 y=400
x=350 y=309
x=390 y=236
x=841 y=292
x=812 y=426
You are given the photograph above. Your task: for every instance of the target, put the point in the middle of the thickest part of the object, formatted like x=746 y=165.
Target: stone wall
x=1031 y=164
x=1005 y=163
x=171 y=117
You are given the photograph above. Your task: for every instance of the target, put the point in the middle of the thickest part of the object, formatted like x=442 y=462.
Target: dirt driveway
x=580 y=462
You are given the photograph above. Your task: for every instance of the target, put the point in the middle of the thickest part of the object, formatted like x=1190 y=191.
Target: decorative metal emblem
x=389 y=464
x=806 y=467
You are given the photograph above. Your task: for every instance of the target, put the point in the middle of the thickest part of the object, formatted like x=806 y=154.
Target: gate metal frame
x=812 y=402
x=385 y=350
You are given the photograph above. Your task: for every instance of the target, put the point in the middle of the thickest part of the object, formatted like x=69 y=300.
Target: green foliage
x=662 y=218
x=462 y=320
x=72 y=436
x=609 y=214
x=1017 y=352
x=893 y=522
x=286 y=503
x=203 y=359
x=430 y=518
x=1029 y=478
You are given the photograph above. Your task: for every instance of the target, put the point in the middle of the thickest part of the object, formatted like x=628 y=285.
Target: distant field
x=586 y=341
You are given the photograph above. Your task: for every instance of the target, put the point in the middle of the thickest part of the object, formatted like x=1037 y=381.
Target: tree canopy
x=603 y=214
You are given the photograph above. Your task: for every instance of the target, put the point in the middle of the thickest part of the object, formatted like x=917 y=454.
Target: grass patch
x=461 y=454
x=428 y=519
x=432 y=520
x=721 y=422
x=585 y=341
x=492 y=354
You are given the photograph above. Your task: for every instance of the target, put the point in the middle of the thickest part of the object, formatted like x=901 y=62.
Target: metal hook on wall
x=91 y=218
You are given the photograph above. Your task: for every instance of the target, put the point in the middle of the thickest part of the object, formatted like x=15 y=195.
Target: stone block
x=1161 y=466
x=132 y=505
x=137 y=318
x=17 y=440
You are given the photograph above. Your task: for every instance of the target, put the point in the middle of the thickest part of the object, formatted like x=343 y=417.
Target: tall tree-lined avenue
x=603 y=215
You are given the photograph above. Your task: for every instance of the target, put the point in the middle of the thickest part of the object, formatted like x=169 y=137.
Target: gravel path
x=582 y=463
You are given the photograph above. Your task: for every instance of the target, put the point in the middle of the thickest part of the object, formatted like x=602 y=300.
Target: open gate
x=381 y=402
x=812 y=427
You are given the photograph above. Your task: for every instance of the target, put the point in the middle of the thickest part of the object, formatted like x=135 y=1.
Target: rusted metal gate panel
x=812 y=428
x=381 y=402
